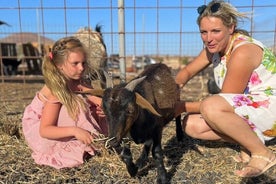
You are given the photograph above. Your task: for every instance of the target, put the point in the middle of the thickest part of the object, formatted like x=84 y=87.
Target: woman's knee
x=196 y=127
x=212 y=106
x=192 y=125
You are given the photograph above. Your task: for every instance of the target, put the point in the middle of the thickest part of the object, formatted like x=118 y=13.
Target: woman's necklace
x=228 y=52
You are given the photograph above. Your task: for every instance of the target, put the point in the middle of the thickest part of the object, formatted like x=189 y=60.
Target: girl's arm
x=49 y=129
x=97 y=101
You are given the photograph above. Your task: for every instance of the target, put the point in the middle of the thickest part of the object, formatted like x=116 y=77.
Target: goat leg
x=157 y=154
x=126 y=156
x=179 y=131
x=141 y=161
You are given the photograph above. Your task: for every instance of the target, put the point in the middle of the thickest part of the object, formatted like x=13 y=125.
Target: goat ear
x=132 y=84
x=142 y=102
x=95 y=92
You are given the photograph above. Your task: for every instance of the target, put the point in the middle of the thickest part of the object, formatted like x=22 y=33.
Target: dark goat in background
x=141 y=109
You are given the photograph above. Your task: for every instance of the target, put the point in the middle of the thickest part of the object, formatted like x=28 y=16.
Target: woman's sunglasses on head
x=214 y=8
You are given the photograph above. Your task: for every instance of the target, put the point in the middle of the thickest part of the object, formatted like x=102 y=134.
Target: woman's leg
x=220 y=116
x=195 y=126
x=243 y=157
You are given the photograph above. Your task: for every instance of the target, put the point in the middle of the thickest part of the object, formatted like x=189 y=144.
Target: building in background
x=23 y=52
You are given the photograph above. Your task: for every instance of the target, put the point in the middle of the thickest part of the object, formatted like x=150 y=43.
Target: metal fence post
x=121 y=26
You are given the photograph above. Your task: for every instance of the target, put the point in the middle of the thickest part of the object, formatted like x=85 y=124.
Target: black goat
x=10 y=66
x=142 y=108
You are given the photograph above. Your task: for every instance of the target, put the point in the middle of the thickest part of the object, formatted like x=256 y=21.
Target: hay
x=96 y=55
x=94 y=44
x=192 y=161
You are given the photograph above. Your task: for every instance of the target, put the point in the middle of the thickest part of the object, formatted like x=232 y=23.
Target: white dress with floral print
x=257 y=105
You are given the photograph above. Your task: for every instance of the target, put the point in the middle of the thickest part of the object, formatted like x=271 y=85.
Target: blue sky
x=58 y=18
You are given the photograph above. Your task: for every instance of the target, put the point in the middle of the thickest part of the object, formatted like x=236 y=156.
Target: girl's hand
x=83 y=135
x=95 y=100
x=99 y=111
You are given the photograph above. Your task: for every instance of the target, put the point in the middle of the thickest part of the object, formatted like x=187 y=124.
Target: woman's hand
x=179 y=108
x=83 y=135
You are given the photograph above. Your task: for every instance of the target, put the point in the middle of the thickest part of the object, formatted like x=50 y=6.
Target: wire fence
x=160 y=30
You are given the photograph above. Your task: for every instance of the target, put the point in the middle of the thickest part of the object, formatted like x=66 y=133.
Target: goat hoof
x=132 y=171
x=162 y=181
x=141 y=163
x=162 y=177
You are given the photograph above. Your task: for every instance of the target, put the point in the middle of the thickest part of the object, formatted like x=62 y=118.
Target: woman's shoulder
x=246 y=50
x=241 y=39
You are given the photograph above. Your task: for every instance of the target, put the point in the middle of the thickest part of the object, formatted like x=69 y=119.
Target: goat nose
x=114 y=146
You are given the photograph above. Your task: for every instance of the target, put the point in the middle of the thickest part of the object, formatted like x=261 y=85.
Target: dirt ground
x=190 y=161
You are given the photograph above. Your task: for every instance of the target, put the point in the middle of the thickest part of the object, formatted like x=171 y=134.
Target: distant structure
x=23 y=48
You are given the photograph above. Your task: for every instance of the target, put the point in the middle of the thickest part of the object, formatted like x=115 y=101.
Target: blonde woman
x=244 y=111
x=59 y=125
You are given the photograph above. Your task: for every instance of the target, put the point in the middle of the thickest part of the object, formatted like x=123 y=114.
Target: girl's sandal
x=270 y=163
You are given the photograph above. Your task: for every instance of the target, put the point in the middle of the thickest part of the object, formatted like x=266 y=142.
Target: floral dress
x=257 y=105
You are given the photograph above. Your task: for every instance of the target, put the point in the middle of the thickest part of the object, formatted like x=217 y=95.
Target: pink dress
x=60 y=153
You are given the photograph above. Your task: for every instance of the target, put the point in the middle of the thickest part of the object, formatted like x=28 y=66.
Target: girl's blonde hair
x=223 y=10
x=56 y=81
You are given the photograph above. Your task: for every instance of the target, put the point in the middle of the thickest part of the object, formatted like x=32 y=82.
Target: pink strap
x=44 y=98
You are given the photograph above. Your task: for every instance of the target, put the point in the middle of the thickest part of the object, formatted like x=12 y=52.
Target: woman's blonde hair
x=56 y=81
x=223 y=10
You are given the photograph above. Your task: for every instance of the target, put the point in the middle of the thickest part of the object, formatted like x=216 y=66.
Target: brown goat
x=141 y=109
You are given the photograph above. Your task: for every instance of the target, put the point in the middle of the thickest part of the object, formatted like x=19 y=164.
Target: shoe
x=270 y=163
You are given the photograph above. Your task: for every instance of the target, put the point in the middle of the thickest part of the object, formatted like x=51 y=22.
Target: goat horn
x=95 y=92
x=109 y=82
x=142 y=102
x=132 y=84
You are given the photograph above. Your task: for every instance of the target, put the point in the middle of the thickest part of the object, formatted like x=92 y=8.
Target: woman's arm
x=193 y=68
x=189 y=71
x=189 y=107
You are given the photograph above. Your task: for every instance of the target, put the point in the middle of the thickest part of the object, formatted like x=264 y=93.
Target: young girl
x=59 y=125
x=245 y=72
